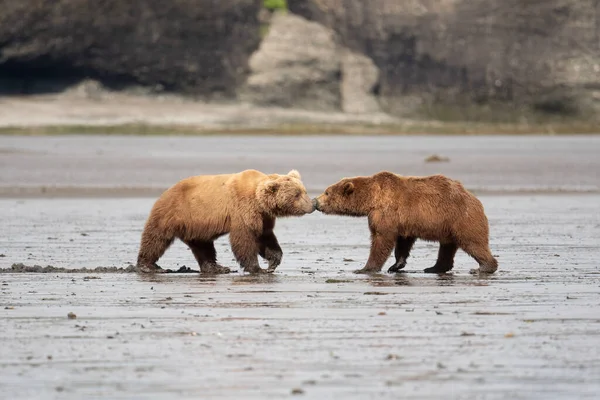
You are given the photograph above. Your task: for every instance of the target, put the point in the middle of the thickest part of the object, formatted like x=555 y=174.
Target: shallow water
x=499 y=163
x=530 y=331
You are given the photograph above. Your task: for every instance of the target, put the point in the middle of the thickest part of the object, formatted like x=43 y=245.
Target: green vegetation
x=275 y=5
x=550 y=113
x=409 y=128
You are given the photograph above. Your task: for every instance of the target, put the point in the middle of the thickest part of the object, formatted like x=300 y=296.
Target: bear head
x=284 y=195
x=350 y=197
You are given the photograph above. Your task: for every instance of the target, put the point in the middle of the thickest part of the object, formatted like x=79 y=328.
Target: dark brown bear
x=402 y=209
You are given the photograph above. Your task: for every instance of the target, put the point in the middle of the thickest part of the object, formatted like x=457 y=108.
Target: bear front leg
x=270 y=250
x=381 y=248
x=244 y=245
x=402 y=251
x=206 y=256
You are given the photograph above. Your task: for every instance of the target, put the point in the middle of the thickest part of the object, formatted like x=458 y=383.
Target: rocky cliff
x=357 y=56
x=198 y=47
x=539 y=53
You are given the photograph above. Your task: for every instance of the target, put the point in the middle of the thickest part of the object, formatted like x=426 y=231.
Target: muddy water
x=313 y=328
x=133 y=163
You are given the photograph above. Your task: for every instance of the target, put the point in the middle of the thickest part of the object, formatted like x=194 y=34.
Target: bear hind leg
x=401 y=252
x=206 y=256
x=445 y=260
x=152 y=248
x=482 y=254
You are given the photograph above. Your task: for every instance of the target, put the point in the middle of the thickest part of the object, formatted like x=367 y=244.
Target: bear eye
x=327 y=193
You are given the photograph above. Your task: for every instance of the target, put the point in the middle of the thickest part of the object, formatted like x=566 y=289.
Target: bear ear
x=348 y=187
x=272 y=186
x=294 y=174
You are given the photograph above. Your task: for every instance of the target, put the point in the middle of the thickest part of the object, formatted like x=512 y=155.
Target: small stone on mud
x=393 y=357
x=2 y=255
x=438 y=312
x=376 y=293
x=436 y=158
x=84 y=234
x=297 y=391
x=49 y=357
x=71 y=315
x=348 y=259
x=467 y=334
x=509 y=335
x=310 y=382
x=336 y=281
x=9 y=308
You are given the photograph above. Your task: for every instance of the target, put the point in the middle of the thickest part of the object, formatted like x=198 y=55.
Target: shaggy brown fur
x=200 y=209
x=402 y=209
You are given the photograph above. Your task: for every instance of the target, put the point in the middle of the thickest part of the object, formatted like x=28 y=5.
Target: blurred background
x=375 y=62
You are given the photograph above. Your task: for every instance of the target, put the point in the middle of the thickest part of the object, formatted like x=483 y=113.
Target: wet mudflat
x=313 y=329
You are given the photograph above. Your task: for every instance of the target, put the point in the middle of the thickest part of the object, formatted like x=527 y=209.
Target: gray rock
x=296 y=65
x=360 y=81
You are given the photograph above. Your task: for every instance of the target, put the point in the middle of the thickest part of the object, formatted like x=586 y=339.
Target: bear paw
x=396 y=267
x=481 y=271
x=259 y=270
x=365 y=271
x=149 y=269
x=274 y=258
x=438 y=269
x=214 y=269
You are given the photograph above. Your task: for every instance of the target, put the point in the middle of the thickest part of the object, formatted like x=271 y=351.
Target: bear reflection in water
x=402 y=209
x=200 y=209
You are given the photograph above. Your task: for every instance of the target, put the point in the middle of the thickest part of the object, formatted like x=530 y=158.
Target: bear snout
x=315 y=203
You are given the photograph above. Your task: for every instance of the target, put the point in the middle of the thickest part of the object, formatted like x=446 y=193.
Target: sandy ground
x=313 y=329
x=109 y=108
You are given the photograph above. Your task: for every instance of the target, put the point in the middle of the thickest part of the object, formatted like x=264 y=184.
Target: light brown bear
x=402 y=209
x=200 y=209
